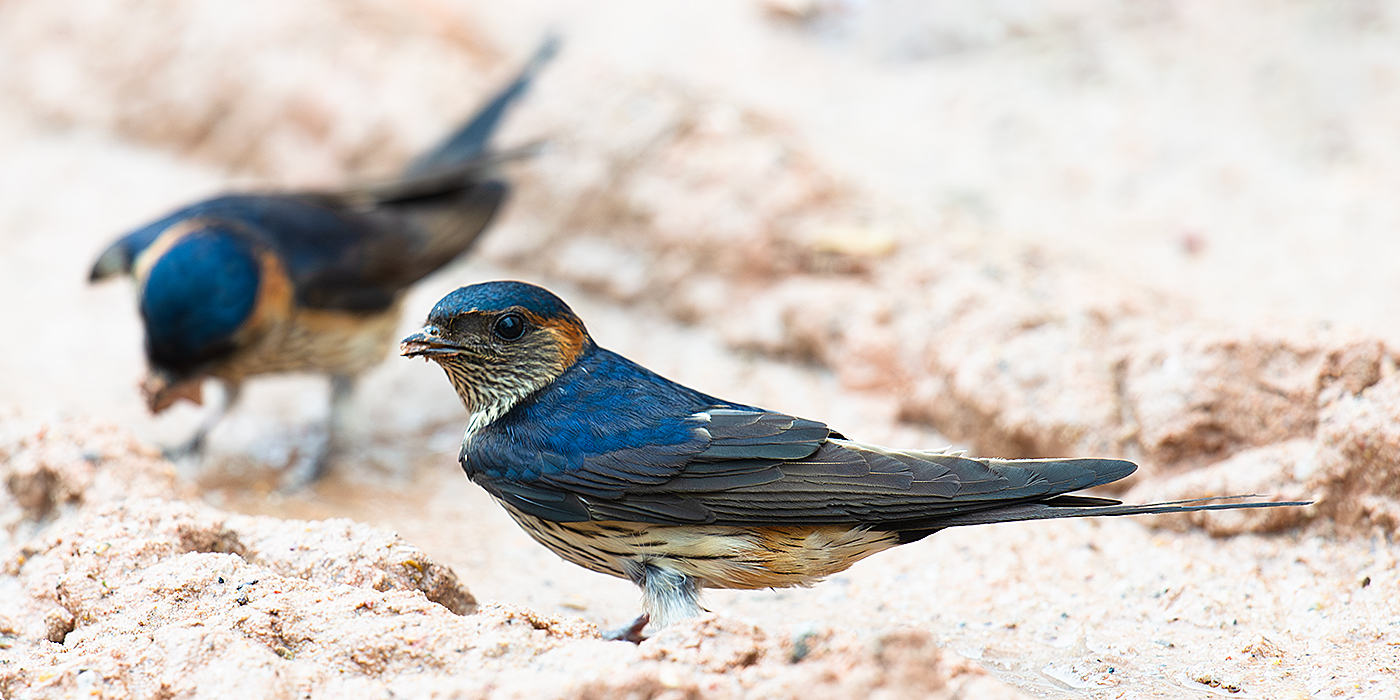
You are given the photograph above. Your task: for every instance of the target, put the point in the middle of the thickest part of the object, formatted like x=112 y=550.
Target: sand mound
x=114 y=592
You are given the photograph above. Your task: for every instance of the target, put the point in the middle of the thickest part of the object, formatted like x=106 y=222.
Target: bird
x=241 y=285
x=627 y=473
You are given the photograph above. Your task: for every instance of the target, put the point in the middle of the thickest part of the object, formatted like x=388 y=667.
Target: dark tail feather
x=436 y=183
x=1053 y=509
x=470 y=141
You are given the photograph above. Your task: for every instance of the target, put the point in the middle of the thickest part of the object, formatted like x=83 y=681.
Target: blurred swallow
x=626 y=473
x=248 y=284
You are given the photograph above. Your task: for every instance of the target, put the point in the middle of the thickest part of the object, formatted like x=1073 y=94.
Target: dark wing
x=363 y=259
x=733 y=449
x=747 y=466
x=848 y=482
x=656 y=453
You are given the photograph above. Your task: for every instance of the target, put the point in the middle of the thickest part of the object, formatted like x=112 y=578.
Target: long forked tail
x=470 y=141
x=1088 y=507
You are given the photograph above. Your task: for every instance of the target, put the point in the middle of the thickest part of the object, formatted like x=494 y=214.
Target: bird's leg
x=337 y=425
x=342 y=391
x=195 y=445
x=667 y=595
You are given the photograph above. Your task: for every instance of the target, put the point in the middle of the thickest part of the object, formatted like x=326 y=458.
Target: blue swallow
x=627 y=473
x=248 y=284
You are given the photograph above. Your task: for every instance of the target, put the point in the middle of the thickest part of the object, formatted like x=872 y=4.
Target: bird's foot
x=193 y=447
x=305 y=470
x=631 y=633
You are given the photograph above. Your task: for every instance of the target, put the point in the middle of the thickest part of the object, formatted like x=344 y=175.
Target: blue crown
x=498 y=296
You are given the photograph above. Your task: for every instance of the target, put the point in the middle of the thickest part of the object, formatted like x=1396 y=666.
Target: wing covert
x=651 y=474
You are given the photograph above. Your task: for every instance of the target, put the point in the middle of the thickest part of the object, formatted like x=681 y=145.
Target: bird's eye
x=509 y=327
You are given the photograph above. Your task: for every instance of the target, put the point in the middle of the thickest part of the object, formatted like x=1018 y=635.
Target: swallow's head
x=500 y=342
x=199 y=290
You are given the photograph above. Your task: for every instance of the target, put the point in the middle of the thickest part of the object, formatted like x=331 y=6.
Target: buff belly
x=317 y=341
x=714 y=556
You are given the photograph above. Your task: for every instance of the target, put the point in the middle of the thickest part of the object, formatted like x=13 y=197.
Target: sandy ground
x=1158 y=231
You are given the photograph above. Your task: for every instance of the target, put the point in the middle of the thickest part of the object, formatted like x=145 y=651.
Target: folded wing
x=747 y=467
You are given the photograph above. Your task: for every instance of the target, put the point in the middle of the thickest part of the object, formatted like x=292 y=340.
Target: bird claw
x=631 y=633
x=307 y=470
x=193 y=447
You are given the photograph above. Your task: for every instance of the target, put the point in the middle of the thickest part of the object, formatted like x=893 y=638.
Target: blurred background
x=1242 y=159
x=1004 y=225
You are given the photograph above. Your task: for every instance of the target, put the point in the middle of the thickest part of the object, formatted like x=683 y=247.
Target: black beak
x=426 y=343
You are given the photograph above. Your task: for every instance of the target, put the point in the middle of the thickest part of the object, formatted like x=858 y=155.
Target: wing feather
x=746 y=466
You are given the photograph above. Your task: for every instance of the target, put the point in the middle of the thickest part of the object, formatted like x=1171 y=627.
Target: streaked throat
x=487 y=392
